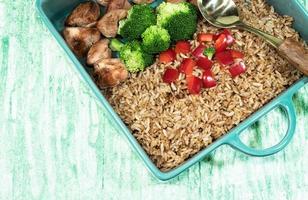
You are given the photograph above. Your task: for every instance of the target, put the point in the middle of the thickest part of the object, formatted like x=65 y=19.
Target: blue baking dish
x=53 y=13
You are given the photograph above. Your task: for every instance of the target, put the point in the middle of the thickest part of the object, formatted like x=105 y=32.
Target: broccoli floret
x=139 y=18
x=115 y=45
x=209 y=52
x=134 y=57
x=155 y=39
x=180 y=19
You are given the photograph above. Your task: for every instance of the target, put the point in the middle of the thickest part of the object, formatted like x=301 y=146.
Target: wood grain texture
x=296 y=54
x=56 y=141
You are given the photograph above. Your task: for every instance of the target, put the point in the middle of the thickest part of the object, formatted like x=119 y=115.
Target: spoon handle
x=275 y=42
x=295 y=53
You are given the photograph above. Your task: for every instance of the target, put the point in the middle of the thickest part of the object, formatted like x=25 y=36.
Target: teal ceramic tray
x=53 y=13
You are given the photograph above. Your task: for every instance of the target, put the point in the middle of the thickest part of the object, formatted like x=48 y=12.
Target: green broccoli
x=155 y=39
x=139 y=18
x=209 y=52
x=180 y=19
x=132 y=55
x=115 y=45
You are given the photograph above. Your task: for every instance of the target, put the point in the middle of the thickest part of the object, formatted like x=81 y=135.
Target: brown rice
x=172 y=125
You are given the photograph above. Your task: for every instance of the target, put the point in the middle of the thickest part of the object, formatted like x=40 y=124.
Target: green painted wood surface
x=56 y=141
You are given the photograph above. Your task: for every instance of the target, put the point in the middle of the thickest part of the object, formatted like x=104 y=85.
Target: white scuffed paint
x=57 y=143
x=2 y=17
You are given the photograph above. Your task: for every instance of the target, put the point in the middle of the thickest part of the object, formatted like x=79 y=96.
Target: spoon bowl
x=220 y=13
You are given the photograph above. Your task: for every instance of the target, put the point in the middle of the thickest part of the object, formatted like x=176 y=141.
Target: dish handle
x=287 y=104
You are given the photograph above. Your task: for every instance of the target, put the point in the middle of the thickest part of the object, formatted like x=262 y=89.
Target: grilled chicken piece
x=84 y=15
x=100 y=50
x=127 y=5
x=109 y=72
x=194 y=2
x=143 y=1
x=108 y=24
x=103 y=2
x=80 y=39
x=118 y=4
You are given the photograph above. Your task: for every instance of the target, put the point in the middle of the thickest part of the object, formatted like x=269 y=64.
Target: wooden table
x=56 y=141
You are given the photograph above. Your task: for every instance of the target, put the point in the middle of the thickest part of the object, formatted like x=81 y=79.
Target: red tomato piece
x=204 y=63
x=230 y=38
x=205 y=37
x=198 y=52
x=194 y=84
x=237 y=69
x=167 y=56
x=170 y=75
x=215 y=36
x=226 y=32
x=225 y=57
x=187 y=66
x=182 y=47
x=237 y=54
x=208 y=79
x=221 y=43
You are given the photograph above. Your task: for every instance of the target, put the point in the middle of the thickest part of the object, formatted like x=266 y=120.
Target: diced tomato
x=182 y=47
x=230 y=38
x=167 y=56
x=237 y=54
x=225 y=57
x=226 y=32
x=221 y=43
x=208 y=79
x=170 y=75
x=204 y=63
x=215 y=36
x=187 y=66
x=194 y=84
x=237 y=69
x=223 y=40
x=205 y=37
x=198 y=52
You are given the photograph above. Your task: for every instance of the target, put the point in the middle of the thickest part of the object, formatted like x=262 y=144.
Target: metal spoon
x=224 y=14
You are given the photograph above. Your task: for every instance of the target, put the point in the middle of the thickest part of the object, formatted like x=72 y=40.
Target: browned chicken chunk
x=81 y=39
x=108 y=24
x=118 y=4
x=194 y=2
x=103 y=2
x=100 y=50
x=84 y=15
x=109 y=72
x=127 y=5
x=143 y=1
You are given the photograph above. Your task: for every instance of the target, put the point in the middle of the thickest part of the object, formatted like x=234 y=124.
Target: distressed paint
x=56 y=141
